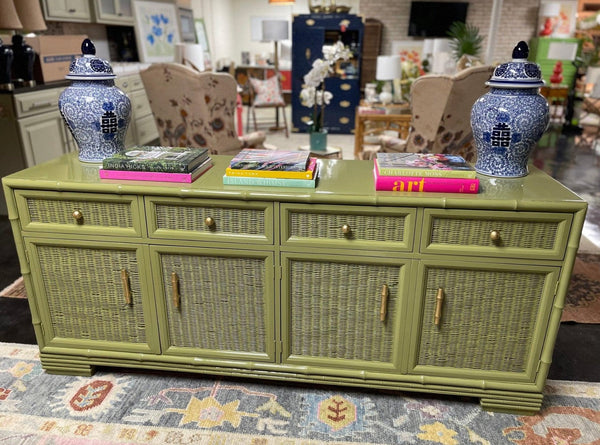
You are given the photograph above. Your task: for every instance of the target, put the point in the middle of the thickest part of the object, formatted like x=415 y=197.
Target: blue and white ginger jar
x=95 y=110
x=510 y=119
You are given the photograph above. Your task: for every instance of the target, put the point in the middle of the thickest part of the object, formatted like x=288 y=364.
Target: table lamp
x=32 y=19
x=275 y=31
x=9 y=20
x=388 y=69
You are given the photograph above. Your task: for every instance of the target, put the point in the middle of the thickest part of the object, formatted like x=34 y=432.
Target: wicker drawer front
x=85 y=213
x=210 y=220
x=333 y=311
x=496 y=234
x=348 y=227
x=87 y=301
x=222 y=306
x=489 y=318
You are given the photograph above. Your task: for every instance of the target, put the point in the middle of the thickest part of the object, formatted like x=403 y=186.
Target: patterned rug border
x=118 y=408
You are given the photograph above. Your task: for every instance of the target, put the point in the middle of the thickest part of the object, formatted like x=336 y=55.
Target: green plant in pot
x=465 y=43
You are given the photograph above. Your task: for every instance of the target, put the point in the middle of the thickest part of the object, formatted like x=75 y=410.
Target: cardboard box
x=54 y=55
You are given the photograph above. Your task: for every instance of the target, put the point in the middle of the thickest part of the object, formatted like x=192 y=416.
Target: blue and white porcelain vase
x=95 y=110
x=510 y=119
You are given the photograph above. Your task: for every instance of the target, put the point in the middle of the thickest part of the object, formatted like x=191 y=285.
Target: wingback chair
x=441 y=113
x=196 y=109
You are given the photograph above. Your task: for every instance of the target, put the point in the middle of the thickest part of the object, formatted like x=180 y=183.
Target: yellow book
x=307 y=174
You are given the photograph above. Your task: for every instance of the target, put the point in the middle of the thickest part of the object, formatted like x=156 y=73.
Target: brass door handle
x=346 y=230
x=495 y=236
x=209 y=222
x=175 y=292
x=384 y=301
x=126 y=287
x=439 y=301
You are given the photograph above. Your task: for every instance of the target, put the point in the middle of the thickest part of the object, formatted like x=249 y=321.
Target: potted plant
x=465 y=42
x=313 y=93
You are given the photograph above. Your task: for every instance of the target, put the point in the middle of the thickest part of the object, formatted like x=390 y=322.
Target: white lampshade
x=549 y=9
x=441 y=46
x=190 y=54
x=388 y=68
x=30 y=14
x=274 y=30
x=9 y=19
x=427 y=47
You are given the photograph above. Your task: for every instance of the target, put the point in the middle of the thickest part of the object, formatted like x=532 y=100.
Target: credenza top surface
x=340 y=182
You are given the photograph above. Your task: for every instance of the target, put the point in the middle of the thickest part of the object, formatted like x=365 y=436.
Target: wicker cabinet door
x=343 y=312
x=93 y=295
x=477 y=320
x=215 y=303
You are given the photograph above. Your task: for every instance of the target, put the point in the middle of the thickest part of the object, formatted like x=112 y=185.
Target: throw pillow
x=266 y=92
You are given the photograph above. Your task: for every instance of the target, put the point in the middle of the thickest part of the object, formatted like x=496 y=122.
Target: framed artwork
x=203 y=41
x=157 y=30
x=186 y=23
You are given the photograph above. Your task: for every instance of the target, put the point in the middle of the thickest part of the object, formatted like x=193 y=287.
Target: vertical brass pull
x=126 y=287
x=439 y=301
x=384 y=300
x=175 y=285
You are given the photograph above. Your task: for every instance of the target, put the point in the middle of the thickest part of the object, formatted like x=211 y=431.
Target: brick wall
x=518 y=21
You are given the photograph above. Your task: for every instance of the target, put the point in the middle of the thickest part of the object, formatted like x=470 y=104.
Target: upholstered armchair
x=441 y=113
x=196 y=109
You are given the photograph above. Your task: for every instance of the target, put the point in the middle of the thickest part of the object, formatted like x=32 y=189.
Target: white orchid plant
x=313 y=94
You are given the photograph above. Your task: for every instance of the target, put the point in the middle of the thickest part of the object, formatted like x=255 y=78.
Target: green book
x=157 y=159
x=424 y=165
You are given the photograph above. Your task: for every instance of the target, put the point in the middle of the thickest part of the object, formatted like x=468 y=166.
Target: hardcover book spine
x=308 y=174
x=420 y=172
x=145 y=176
x=153 y=166
x=425 y=184
x=270 y=182
x=153 y=176
x=140 y=167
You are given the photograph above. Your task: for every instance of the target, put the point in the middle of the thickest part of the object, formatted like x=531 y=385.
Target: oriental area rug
x=136 y=407
x=582 y=304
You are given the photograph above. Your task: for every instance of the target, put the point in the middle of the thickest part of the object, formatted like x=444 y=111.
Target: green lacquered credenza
x=441 y=293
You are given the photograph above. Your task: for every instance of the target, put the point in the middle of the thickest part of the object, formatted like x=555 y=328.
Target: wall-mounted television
x=433 y=19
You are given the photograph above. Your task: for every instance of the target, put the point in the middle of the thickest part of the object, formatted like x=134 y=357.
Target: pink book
x=424 y=184
x=155 y=176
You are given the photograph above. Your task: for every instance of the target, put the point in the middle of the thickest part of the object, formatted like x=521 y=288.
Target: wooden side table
x=399 y=123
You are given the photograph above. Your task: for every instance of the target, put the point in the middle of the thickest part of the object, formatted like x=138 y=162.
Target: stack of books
x=272 y=168
x=424 y=172
x=155 y=163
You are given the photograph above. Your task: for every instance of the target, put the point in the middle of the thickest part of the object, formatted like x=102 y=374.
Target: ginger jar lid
x=519 y=73
x=88 y=66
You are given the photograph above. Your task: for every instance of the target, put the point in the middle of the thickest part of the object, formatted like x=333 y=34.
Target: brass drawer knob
x=495 y=235
x=346 y=230
x=209 y=222
x=78 y=216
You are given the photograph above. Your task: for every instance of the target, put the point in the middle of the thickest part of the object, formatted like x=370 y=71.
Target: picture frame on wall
x=186 y=24
x=202 y=37
x=157 y=30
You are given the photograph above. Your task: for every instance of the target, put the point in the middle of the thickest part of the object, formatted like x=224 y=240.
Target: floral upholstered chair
x=194 y=109
x=441 y=113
